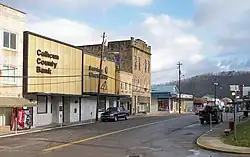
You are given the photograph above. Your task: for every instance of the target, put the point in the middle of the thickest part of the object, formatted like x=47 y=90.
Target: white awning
x=16 y=102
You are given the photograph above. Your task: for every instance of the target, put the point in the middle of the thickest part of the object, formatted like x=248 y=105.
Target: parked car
x=115 y=113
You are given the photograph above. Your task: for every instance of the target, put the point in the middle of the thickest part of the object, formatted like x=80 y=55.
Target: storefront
x=124 y=86
x=187 y=103
x=161 y=101
x=53 y=77
x=108 y=96
x=15 y=114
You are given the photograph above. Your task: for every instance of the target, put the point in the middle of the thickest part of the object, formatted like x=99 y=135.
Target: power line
x=153 y=72
x=36 y=84
x=58 y=76
x=9 y=86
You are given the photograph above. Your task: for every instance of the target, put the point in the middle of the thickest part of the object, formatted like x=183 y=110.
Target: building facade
x=124 y=88
x=51 y=79
x=166 y=98
x=12 y=25
x=161 y=101
x=187 y=103
x=108 y=96
x=134 y=57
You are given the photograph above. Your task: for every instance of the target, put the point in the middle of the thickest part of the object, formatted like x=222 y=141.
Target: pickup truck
x=216 y=113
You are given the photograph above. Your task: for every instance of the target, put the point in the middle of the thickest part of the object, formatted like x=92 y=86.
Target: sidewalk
x=44 y=128
x=212 y=140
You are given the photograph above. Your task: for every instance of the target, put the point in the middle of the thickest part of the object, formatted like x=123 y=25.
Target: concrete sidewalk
x=211 y=140
x=44 y=128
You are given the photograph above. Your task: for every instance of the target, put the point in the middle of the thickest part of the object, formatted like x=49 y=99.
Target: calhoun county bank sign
x=49 y=63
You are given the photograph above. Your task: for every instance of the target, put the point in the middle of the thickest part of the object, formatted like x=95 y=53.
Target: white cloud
x=220 y=12
x=65 y=30
x=229 y=22
x=170 y=40
x=75 y=4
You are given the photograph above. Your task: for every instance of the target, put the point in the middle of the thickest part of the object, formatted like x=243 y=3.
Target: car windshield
x=112 y=109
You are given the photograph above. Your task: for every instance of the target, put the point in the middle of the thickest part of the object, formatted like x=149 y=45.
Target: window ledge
x=9 y=83
x=9 y=49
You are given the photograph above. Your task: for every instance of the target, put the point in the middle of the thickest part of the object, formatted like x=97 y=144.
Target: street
x=159 y=136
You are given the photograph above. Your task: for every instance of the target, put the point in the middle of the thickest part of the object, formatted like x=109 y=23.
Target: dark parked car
x=115 y=113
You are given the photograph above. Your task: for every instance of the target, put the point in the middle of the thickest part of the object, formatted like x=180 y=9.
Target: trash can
x=231 y=125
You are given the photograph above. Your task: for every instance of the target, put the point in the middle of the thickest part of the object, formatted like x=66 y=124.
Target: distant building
x=199 y=103
x=165 y=98
x=210 y=99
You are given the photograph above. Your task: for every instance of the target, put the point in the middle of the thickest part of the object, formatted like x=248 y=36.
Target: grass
x=242 y=136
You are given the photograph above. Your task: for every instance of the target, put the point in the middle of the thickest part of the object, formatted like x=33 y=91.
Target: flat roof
x=51 y=39
x=12 y=8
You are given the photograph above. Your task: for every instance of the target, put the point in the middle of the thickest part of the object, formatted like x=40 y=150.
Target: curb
x=42 y=130
x=218 y=149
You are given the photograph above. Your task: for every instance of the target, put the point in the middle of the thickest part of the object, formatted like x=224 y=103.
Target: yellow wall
x=65 y=78
x=90 y=84
x=122 y=79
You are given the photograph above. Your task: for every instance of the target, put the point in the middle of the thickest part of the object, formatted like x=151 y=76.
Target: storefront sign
x=161 y=95
x=96 y=75
x=49 y=63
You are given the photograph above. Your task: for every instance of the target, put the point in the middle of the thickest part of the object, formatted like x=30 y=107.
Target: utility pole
x=215 y=91
x=179 y=85
x=99 y=77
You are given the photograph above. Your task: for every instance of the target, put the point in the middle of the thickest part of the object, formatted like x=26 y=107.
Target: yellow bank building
x=63 y=79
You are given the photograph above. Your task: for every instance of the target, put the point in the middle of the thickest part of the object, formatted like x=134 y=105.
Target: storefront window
x=42 y=104
x=163 y=105
x=102 y=104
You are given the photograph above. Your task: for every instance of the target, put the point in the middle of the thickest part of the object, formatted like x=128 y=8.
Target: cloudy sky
x=205 y=35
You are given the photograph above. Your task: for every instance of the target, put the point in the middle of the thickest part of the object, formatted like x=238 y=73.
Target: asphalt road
x=162 y=136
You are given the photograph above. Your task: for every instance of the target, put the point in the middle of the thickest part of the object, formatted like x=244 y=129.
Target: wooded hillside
x=203 y=84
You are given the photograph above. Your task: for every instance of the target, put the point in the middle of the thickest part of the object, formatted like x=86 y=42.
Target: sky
x=204 y=35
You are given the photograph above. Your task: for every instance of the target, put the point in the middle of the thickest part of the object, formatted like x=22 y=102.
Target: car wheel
x=126 y=118
x=116 y=119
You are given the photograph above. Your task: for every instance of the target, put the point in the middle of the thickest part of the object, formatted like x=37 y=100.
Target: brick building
x=134 y=58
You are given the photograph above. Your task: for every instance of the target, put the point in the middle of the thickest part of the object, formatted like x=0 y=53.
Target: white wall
x=88 y=108
x=5 y=114
x=74 y=105
x=12 y=21
x=154 y=105
x=56 y=102
x=66 y=110
x=42 y=119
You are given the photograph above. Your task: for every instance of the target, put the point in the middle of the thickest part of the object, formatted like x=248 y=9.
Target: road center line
x=106 y=134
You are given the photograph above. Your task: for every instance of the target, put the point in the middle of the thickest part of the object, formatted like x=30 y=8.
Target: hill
x=203 y=84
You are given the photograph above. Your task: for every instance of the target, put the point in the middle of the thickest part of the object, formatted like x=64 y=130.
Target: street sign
x=234 y=88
